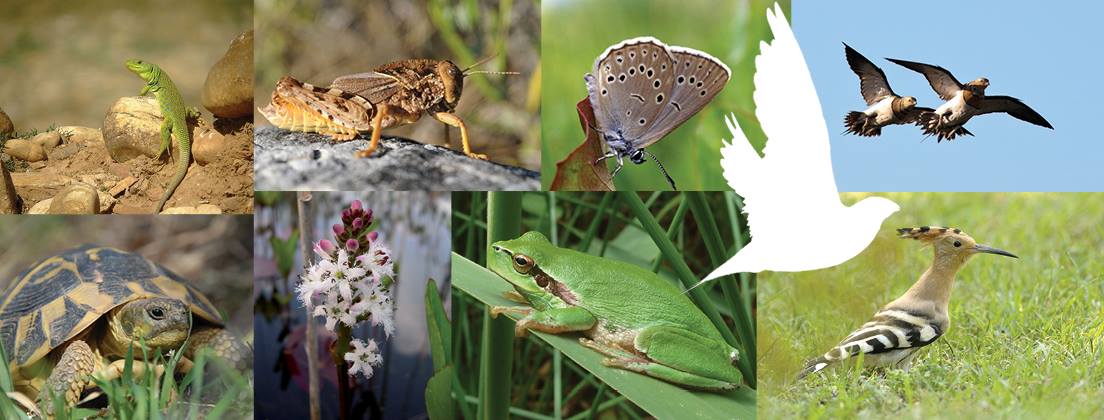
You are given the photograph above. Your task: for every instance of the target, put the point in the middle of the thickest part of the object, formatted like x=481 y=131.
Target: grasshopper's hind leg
x=455 y=121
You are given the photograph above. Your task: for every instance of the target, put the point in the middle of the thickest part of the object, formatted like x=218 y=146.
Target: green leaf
x=440 y=331
x=284 y=252
x=438 y=395
x=660 y=399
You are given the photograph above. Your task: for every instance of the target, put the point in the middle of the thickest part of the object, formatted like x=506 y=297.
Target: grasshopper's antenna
x=467 y=71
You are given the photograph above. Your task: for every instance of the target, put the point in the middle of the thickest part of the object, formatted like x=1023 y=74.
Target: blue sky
x=1047 y=57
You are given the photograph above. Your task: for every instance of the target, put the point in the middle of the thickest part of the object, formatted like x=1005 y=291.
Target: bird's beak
x=990 y=250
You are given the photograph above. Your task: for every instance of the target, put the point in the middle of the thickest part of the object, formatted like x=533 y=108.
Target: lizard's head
x=143 y=69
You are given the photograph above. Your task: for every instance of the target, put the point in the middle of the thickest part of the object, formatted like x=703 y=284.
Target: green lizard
x=175 y=119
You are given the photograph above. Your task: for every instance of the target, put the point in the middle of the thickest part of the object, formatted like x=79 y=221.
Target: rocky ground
x=115 y=169
x=295 y=161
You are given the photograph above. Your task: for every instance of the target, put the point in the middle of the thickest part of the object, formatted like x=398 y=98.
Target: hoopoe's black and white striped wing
x=891 y=330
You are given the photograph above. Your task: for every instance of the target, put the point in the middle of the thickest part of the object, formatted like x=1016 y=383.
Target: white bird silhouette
x=796 y=219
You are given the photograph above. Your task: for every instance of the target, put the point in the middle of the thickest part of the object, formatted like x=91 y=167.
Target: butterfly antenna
x=662 y=169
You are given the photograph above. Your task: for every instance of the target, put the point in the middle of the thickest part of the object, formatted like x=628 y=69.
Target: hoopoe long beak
x=990 y=250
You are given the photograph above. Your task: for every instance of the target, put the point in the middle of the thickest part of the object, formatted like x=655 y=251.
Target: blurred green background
x=61 y=62
x=577 y=31
x=317 y=41
x=1026 y=336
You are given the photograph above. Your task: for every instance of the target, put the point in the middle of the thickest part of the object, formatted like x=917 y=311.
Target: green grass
x=226 y=395
x=1026 y=338
x=577 y=32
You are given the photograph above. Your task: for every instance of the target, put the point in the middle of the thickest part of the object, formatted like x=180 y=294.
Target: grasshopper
x=391 y=95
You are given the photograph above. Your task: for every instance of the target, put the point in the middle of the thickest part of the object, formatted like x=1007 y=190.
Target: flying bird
x=794 y=211
x=885 y=106
x=917 y=318
x=964 y=101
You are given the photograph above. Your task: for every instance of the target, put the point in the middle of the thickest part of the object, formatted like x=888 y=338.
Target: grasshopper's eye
x=522 y=263
x=957 y=244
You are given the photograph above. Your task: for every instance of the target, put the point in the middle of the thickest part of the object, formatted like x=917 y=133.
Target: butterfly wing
x=628 y=86
x=697 y=78
x=373 y=86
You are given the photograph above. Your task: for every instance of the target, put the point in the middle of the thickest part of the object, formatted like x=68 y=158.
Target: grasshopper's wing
x=373 y=86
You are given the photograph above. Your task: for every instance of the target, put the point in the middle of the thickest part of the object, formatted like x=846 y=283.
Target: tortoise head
x=161 y=323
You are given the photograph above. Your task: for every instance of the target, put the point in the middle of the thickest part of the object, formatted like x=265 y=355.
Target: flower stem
x=344 y=337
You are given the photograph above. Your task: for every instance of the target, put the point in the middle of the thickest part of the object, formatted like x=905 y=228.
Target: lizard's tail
x=182 y=163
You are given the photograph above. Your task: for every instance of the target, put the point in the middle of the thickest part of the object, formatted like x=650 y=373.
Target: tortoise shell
x=59 y=297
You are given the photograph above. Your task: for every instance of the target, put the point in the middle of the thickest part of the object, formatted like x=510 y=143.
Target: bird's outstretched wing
x=891 y=330
x=942 y=81
x=872 y=80
x=1015 y=108
x=795 y=173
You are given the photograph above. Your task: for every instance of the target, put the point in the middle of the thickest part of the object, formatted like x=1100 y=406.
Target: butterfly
x=641 y=89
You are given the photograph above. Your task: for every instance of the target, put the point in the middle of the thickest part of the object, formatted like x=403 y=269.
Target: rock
x=6 y=126
x=121 y=187
x=228 y=91
x=119 y=170
x=201 y=209
x=78 y=134
x=25 y=150
x=286 y=161
x=132 y=128
x=9 y=200
x=209 y=145
x=47 y=140
x=40 y=184
x=64 y=151
x=76 y=199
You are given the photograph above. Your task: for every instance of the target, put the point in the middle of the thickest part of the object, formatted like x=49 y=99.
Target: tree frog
x=641 y=322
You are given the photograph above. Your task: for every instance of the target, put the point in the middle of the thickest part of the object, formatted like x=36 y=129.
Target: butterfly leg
x=377 y=128
x=620 y=164
x=455 y=121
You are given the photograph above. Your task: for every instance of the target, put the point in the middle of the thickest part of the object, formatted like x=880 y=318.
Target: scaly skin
x=175 y=122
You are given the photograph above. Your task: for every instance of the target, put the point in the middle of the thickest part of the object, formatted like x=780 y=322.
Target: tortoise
x=76 y=314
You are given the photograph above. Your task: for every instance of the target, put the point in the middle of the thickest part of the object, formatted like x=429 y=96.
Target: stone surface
x=25 y=150
x=76 y=199
x=287 y=160
x=122 y=186
x=200 y=209
x=38 y=184
x=43 y=207
x=132 y=128
x=228 y=91
x=47 y=140
x=219 y=143
x=6 y=126
x=78 y=134
x=9 y=200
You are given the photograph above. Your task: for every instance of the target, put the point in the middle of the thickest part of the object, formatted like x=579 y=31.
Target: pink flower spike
x=355 y=205
x=368 y=215
x=352 y=245
x=339 y=229
x=325 y=249
x=358 y=223
x=373 y=236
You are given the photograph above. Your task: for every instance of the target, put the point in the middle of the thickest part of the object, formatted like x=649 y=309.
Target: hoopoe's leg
x=455 y=121
x=377 y=128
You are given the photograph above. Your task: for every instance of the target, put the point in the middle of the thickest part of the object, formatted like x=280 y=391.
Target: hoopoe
x=917 y=318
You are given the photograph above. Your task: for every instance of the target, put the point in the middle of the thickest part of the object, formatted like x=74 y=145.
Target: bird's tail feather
x=813 y=366
x=857 y=123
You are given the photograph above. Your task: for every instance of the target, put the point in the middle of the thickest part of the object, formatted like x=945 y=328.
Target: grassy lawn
x=1026 y=338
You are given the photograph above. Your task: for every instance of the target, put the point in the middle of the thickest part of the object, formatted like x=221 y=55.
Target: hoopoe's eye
x=522 y=263
x=957 y=244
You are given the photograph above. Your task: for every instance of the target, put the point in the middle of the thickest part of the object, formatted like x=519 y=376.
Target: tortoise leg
x=70 y=375
x=138 y=368
x=221 y=343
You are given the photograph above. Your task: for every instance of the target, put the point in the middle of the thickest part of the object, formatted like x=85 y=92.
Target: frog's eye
x=522 y=263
